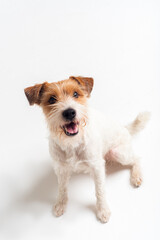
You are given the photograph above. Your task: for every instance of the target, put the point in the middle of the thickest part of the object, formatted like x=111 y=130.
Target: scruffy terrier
x=82 y=139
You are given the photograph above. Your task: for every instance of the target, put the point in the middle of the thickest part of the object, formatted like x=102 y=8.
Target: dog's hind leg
x=123 y=154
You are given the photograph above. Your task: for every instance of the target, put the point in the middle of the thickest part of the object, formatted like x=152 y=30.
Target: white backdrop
x=117 y=43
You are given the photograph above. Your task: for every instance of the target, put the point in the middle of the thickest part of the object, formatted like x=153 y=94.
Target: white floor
x=117 y=43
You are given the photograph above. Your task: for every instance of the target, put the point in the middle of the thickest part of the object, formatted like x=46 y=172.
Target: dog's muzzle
x=71 y=128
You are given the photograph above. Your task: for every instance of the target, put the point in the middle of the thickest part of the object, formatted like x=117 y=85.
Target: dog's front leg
x=103 y=212
x=63 y=179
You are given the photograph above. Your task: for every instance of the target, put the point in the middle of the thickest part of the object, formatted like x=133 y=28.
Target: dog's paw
x=136 y=176
x=103 y=215
x=59 y=209
x=136 y=181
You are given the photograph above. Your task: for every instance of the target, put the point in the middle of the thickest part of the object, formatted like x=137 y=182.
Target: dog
x=83 y=139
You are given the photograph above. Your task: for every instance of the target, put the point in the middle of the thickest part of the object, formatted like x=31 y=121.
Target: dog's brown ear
x=34 y=93
x=85 y=82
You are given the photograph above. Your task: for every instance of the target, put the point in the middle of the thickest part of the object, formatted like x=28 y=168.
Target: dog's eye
x=75 y=94
x=52 y=100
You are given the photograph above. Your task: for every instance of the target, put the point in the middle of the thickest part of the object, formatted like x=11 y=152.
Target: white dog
x=82 y=139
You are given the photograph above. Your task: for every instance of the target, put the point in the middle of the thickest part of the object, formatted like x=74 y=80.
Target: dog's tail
x=139 y=123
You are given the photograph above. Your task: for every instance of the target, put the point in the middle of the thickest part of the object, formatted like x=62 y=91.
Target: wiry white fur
x=101 y=139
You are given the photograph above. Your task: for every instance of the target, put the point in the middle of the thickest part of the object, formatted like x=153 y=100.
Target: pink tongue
x=72 y=128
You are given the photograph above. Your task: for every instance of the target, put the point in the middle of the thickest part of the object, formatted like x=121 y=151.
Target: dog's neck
x=71 y=144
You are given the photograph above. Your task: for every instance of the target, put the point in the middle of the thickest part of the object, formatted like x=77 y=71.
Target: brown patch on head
x=78 y=88
x=86 y=83
x=61 y=91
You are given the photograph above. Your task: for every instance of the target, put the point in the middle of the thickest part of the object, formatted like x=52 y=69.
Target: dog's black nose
x=69 y=114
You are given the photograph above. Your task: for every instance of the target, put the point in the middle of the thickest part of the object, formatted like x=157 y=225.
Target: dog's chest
x=77 y=159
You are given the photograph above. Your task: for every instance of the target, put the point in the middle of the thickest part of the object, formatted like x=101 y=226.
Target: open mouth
x=71 y=129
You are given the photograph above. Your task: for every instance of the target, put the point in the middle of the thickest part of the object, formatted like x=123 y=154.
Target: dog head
x=64 y=104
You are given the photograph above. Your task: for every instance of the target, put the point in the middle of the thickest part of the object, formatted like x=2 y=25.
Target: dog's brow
x=57 y=86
